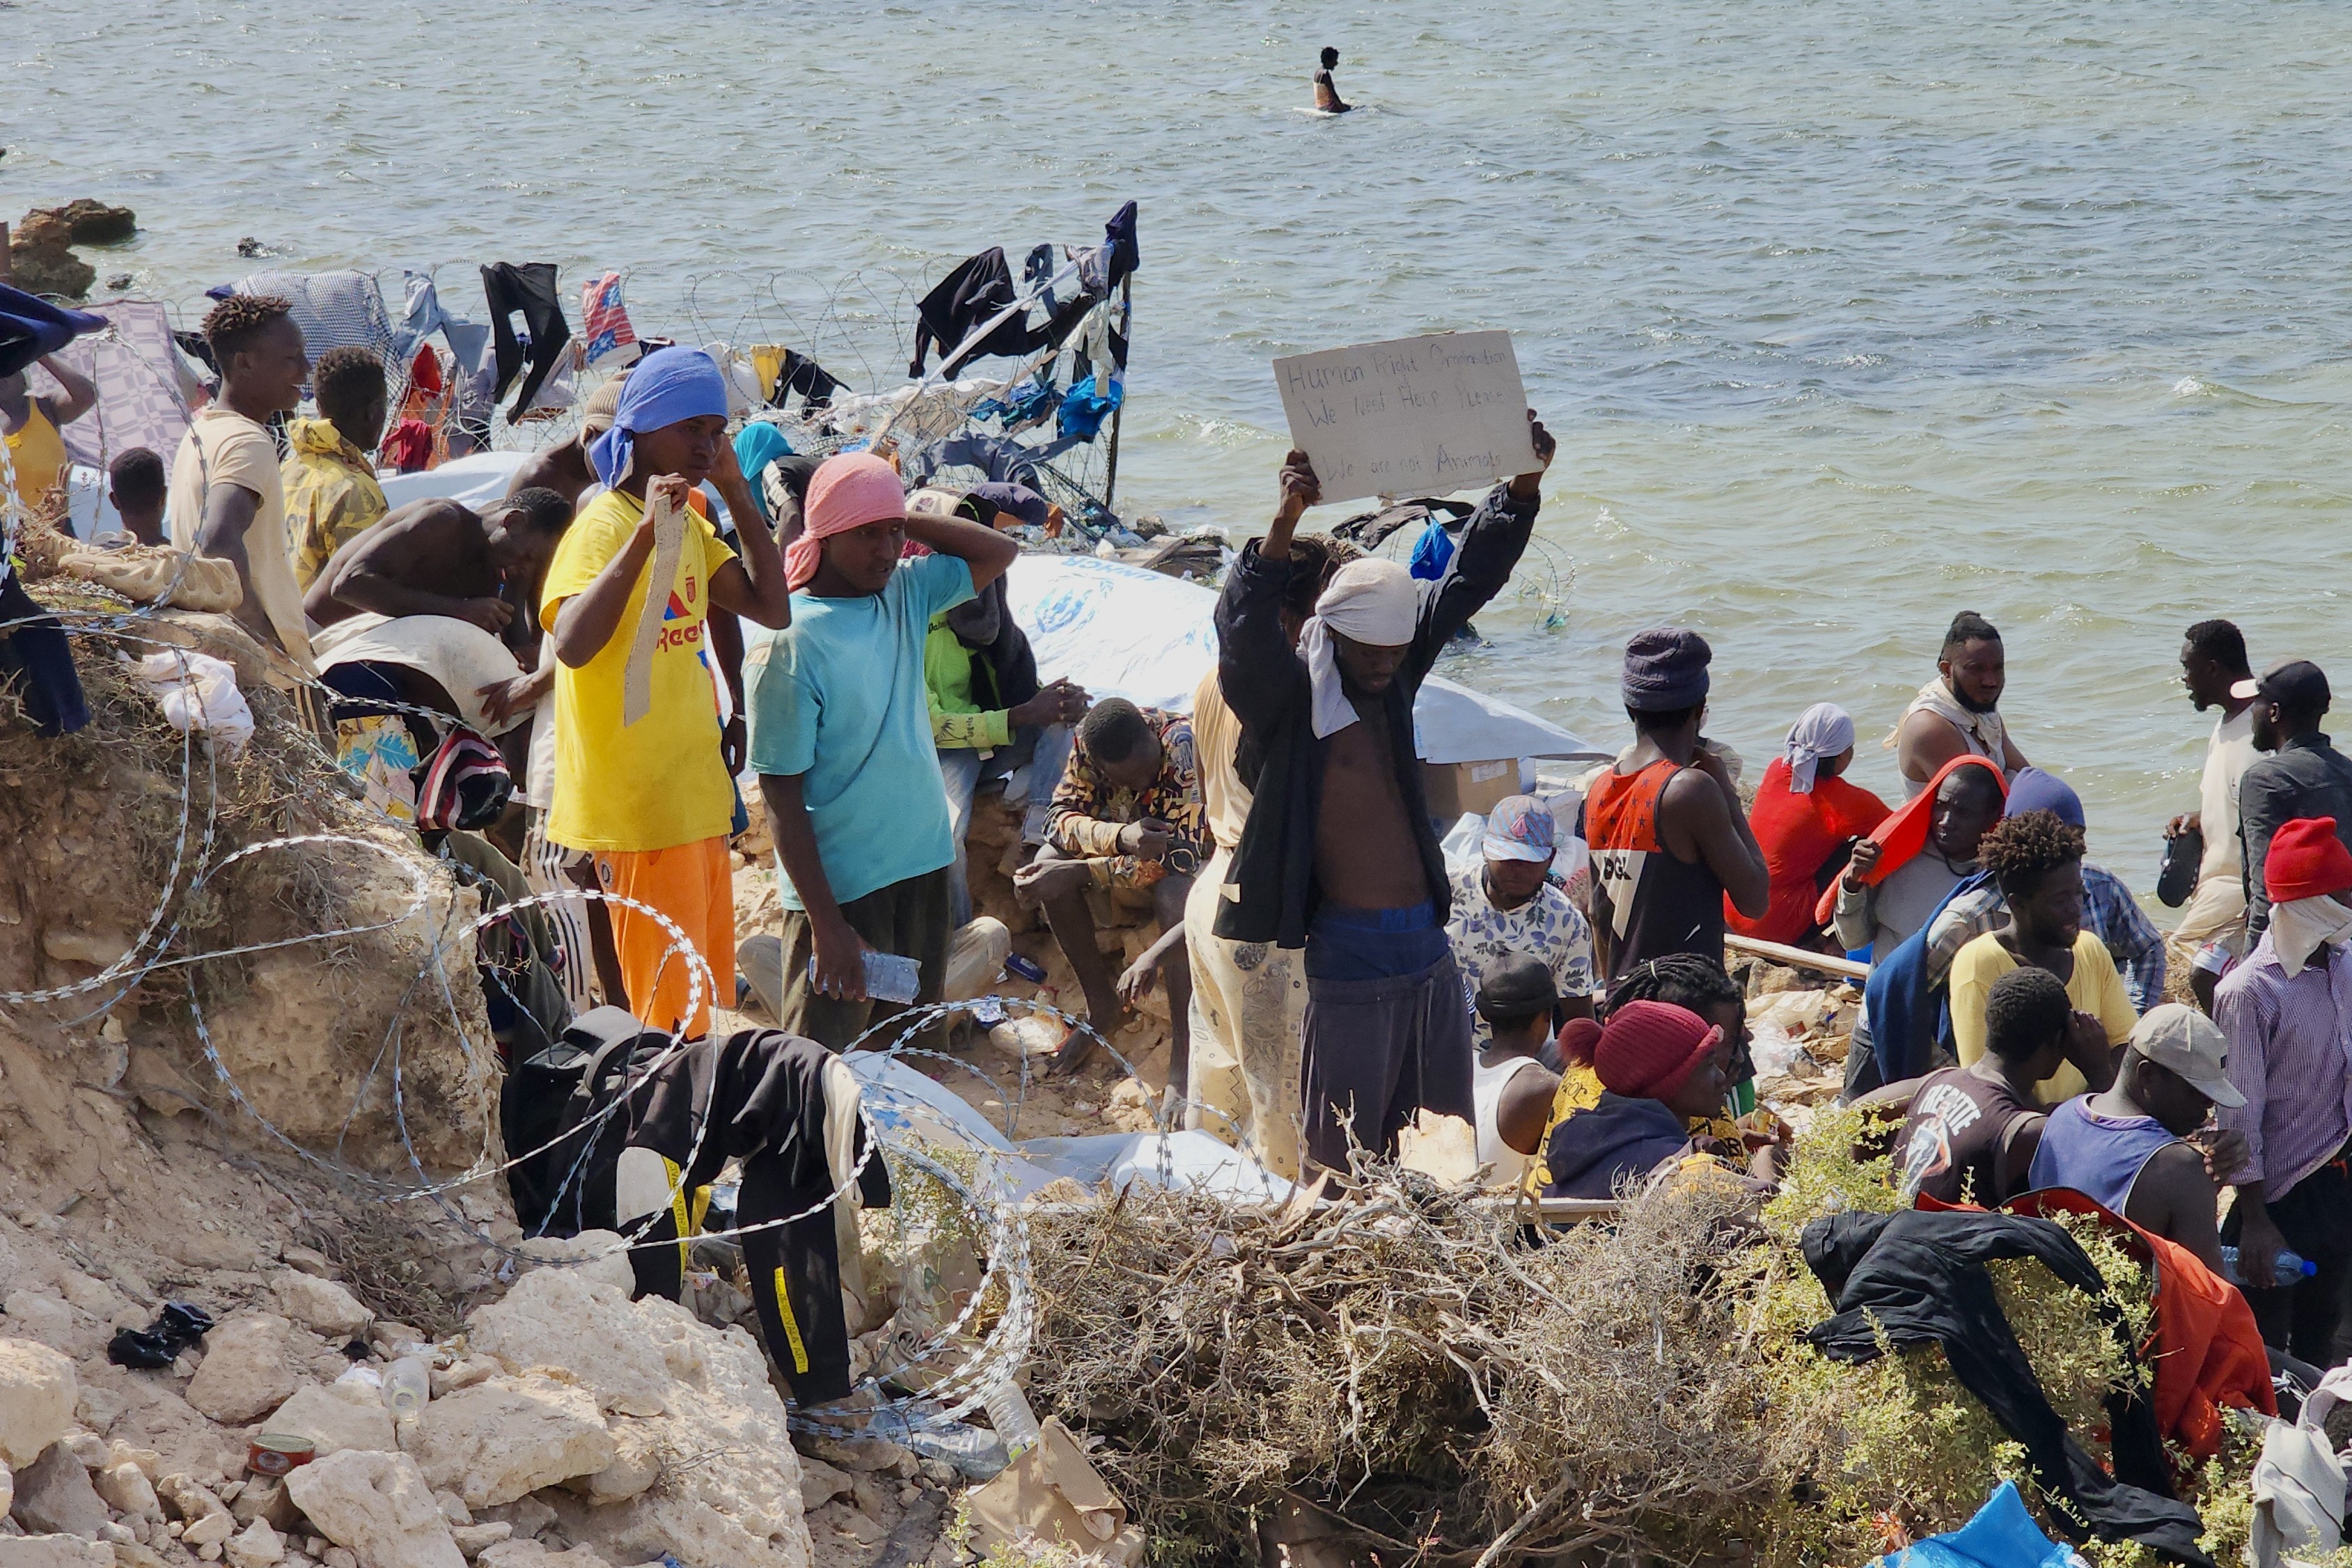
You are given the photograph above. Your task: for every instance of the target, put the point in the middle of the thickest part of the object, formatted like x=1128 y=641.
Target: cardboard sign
x=1416 y=416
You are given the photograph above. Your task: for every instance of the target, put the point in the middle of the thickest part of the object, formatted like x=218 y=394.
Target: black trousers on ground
x=758 y=1096
x=2315 y=1218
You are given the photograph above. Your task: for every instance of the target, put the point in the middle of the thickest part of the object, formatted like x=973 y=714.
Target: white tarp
x=1122 y=631
x=473 y=481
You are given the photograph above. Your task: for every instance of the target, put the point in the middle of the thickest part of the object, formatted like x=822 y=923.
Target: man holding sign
x=1338 y=856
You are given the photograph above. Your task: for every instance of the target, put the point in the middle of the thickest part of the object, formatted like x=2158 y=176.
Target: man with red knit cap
x=841 y=737
x=2287 y=1011
x=1661 y=1067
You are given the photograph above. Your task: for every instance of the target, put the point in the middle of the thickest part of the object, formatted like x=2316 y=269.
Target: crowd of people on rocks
x=615 y=652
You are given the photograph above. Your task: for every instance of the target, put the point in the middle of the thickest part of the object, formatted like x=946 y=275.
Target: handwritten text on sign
x=1417 y=416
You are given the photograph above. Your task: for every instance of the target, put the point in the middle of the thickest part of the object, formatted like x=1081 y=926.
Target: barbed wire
x=163 y=947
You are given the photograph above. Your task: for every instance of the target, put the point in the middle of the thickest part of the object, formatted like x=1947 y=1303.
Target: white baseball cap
x=2180 y=1037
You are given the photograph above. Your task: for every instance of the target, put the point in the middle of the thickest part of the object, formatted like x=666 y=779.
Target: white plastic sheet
x=1121 y=631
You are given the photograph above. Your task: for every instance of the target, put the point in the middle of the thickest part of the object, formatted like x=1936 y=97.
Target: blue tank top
x=2098 y=1156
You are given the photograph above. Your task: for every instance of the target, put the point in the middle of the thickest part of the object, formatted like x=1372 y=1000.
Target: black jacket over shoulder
x=1271 y=892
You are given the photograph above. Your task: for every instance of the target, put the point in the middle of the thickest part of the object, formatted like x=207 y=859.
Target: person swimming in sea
x=1327 y=94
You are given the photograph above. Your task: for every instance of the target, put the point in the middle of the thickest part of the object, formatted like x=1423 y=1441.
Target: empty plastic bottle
x=407 y=1382
x=1015 y=1423
x=2286 y=1269
x=974 y=1451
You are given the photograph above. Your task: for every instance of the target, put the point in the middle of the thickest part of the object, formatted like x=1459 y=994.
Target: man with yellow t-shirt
x=650 y=799
x=2036 y=856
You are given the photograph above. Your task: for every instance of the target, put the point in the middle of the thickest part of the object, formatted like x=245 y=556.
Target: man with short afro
x=2036 y=856
x=228 y=499
x=331 y=496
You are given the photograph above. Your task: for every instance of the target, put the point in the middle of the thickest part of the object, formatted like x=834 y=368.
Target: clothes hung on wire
x=527 y=290
x=1898 y=1281
x=1106 y=266
x=1001 y=458
x=334 y=309
x=783 y=371
x=603 y=322
x=142 y=401
x=788 y=1109
x=978 y=291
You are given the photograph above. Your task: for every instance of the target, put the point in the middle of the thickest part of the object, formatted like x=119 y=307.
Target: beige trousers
x=2216 y=910
x=1248 y=999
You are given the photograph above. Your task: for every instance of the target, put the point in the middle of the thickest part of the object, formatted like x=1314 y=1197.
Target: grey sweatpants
x=1381 y=1050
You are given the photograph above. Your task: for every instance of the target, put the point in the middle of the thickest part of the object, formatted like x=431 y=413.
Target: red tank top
x=1658 y=904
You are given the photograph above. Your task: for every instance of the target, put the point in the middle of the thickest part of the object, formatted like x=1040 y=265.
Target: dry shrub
x=1412 y=1365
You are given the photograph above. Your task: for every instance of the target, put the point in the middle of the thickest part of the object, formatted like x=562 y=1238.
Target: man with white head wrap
x=1339 y=856
x=1806 y=818
x=2286 y=1008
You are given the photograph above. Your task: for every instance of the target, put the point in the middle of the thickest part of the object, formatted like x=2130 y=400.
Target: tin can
x=277 y=1453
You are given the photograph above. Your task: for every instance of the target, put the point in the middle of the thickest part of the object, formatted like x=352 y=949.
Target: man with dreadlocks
x=2036 y=859
x=227 y=499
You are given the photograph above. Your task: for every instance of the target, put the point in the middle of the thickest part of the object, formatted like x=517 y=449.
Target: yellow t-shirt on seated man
x=648 y=799
x=2094 y=988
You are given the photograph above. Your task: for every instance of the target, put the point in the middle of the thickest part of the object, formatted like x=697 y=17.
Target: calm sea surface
x=1847 y=316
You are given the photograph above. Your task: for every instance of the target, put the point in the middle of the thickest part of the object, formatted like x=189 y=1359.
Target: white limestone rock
x=335 y=1417
x=501 y=1439
x=377 y=1508
x=37 y=1400
x=555 y=1317
x=320 y=1305
x=245 y=1372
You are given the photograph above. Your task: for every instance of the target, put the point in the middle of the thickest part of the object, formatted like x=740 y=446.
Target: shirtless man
x=1327 y=91
x=564 y=468
x=1338 y=856
x=438 y=558
x=1958 y=712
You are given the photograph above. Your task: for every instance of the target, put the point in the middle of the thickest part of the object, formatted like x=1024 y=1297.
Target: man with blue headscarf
x=639 y=782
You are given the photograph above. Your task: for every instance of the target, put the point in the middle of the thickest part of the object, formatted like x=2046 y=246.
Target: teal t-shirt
x=838 y=696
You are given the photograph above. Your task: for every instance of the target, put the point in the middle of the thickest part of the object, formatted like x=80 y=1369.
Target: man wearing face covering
x=2287 y=1010
x=1337 y=855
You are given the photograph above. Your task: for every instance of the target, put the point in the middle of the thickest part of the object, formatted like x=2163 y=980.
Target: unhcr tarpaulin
x=1123 y=631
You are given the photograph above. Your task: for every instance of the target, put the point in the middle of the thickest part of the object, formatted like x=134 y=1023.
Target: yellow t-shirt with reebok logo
x=658 y=783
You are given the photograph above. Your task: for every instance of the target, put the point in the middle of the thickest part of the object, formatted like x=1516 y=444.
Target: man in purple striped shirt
x=2287 y=1010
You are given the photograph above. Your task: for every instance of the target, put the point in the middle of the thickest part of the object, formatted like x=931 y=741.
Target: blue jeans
x=959 y=770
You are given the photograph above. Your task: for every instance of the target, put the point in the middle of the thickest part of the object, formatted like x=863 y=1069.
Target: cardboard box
x=1052 y=1494
x=1454 y=788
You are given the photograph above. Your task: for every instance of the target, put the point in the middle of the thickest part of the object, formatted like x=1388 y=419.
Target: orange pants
x=694 y=885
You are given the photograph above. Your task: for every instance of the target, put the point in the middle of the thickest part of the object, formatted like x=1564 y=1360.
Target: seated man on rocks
x=1126 y=822
x=2127 y=1146
x=1662 y=1068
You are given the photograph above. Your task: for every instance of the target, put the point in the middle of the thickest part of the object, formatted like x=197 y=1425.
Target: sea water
x=1847 y=316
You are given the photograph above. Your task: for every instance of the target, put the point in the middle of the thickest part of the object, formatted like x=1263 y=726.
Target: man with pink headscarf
x=841 y=737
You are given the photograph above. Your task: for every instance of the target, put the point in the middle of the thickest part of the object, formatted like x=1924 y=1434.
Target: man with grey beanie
x=1669 y=840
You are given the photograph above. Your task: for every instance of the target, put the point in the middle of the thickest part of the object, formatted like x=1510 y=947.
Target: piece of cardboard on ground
x=1053 y=1494
x=1411 y=417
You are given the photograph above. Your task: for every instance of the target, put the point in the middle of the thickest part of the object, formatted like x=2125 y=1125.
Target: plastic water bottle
x=407 y=1384
x=1015 y=1423
x=2286 y=1269
x=976 y=1454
